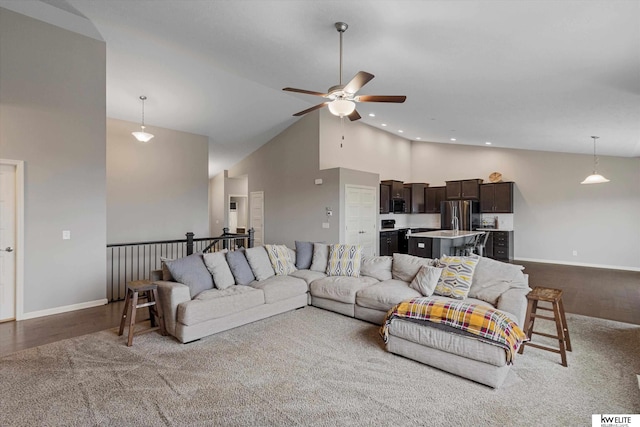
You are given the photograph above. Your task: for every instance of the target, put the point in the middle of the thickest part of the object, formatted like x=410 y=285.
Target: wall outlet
x=575 y=253
x=325 y=225
x=66 y=234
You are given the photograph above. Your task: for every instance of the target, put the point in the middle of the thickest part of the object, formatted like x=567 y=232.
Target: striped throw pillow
x=280 y=258
x=344 y=260
x=457 y=275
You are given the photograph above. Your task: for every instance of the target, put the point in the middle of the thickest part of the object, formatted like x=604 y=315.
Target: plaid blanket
x=489 y=325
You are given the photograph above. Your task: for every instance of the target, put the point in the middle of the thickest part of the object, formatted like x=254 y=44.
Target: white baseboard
x=63 y=309
x=579 y=264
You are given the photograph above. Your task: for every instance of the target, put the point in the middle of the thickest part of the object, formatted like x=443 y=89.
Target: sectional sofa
x=205 y=294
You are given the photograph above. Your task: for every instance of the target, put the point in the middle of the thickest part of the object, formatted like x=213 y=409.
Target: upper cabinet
x=496 y=198
x=464 y=189
x=397 y=188
x=432 y=198
x=415 y=202
x=385 y=198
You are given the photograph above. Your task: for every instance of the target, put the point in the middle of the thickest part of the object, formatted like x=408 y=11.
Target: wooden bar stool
x=553 y=296
x=136 y=291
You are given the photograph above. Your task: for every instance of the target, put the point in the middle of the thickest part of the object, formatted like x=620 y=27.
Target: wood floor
x=596 y=292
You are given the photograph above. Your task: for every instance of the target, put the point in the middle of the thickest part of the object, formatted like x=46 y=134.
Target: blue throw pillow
x=304 y=255
x=192 y=272
x=240 y=267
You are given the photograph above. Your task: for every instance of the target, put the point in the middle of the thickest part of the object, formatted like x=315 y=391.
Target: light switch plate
x=66 y=234
x=325 y=225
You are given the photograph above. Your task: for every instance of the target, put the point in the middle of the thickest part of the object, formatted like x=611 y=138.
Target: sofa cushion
x=216 y=303
x=492 y=278
x=304 y=255
x=217 y=265
x=166 y=274
x=281 y=259
x=344 y=260
x=259 y=262
x=378 y=267
x=340 y=288
x=278 y=288
x=455 y=280
x=426 y=280
x=192 y=272
x=385 y=295
x=240 y=267
x=405 y=267
x=308 y=275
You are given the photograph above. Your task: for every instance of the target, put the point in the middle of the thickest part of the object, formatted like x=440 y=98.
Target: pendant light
x=595 y=178
x=142 y=136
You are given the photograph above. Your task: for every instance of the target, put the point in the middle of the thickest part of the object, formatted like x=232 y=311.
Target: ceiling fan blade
x=308 y=110
x=308 y=92
x=354 y=116
x=381 y=98
x=359 y=80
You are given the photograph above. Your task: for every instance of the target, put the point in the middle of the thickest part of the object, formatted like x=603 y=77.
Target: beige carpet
x=310 y=367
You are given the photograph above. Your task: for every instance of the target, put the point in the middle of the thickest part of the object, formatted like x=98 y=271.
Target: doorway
x=360 y=217
x=238 y=214
x=11 y=239
x=256 y=219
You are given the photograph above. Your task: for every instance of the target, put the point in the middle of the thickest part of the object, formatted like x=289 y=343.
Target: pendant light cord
x=595 y=158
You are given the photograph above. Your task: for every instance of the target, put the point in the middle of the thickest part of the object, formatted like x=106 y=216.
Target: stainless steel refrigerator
x=467 y=213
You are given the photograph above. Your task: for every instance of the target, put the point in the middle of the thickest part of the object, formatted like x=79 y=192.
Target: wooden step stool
x=146 y=290
x=553 y=296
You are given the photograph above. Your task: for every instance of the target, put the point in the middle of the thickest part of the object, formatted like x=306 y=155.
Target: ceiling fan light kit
x=342 y=98
x=141 y=135
x=595 y=177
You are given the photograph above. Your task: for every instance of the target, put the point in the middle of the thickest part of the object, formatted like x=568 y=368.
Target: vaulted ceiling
x=540 y=75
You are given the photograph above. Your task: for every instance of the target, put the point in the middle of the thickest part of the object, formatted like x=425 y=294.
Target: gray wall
x=285 y=169
x=53 y=109
x=156 y=190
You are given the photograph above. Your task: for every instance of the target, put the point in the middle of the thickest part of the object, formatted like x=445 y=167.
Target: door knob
x=7 y=249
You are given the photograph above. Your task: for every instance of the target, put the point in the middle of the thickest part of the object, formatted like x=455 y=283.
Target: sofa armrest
x=171 y=294
x=514 y=301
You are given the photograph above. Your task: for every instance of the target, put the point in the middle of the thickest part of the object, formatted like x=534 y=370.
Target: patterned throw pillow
x=455 y=280
x=280 y=259
x=344 y=260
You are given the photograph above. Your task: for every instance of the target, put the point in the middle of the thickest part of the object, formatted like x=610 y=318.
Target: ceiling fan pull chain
x=342 y=129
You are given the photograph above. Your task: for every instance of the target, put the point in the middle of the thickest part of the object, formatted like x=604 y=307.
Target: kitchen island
x=434 y=244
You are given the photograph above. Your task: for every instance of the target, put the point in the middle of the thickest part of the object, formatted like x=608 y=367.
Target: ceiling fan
x=342 y=98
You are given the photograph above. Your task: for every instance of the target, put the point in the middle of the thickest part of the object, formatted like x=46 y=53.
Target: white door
x=256 y=219
x=7 y=242
x=360 y=217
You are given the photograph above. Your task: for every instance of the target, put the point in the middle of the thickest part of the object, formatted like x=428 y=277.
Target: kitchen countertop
x=446 y=234
x=493 y=229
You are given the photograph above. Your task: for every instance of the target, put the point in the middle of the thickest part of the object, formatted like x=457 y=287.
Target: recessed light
x=371 y=115
x=384 y=125
x=488 y=143
x=453 y=139
x=400 y=131
x=418 y=138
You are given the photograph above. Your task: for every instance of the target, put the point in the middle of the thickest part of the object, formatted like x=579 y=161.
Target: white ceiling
x=541 y=75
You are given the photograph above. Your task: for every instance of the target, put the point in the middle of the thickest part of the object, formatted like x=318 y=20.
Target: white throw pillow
x=426 y=280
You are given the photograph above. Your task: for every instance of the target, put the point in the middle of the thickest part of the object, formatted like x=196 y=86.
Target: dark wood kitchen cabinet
x=397 y=188
x=463 y=189
x=406 y=196
x=417 y=196
x=389 y=242
x=496 y=198
x=385 y=198
x=432 y=198
x=500 y=245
